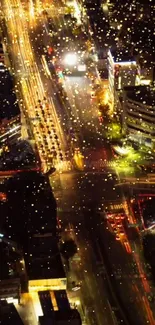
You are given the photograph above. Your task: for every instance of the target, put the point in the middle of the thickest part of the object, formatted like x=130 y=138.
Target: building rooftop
x=8 y=260
x=120 y=55
x=44 y=261
x=142 y=94
x=20 y=156
x=65 y=317
x=8 y=102
x=6 y=82
x=8 y=106
x=9 y=314
x=34 y=213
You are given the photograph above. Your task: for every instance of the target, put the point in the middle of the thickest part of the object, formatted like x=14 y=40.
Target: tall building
x=146 y=69
x=10 y=270
x=1 y=54
x=34 y=213
x=139 y=114
x=10 y=124
x=122 y=71
x=43 y=251
x=9 y=314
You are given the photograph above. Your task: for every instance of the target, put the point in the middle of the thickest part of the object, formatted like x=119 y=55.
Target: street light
x=77 y=303
x=70 y=59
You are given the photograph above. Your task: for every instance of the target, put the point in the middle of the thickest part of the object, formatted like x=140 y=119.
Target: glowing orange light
x=50 y=50
x=3 y=196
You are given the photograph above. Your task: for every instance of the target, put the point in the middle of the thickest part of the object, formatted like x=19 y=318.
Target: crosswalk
x=98 y=164
x=90 y=166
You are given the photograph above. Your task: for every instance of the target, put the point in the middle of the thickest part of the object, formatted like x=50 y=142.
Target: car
x=100 y=116
x=119 y=225
x=121 y=233
x=108 y=216
x=112 y=223
x=93 y=95
x=101 y=119
x=119 y=217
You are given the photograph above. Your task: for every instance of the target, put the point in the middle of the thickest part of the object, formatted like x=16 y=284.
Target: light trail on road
x=51 y=144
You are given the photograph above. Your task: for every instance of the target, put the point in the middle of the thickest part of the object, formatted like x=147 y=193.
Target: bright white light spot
x=71 y=59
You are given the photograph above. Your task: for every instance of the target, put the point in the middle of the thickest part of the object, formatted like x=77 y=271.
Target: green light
x=60 y=75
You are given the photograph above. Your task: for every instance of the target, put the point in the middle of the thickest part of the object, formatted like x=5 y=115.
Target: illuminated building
x=138 y=114
x=10 y=124
x=10 y=131
x=122 y=71
x=145 y=203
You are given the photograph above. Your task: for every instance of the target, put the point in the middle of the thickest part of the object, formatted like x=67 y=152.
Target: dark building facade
x=68 y=317
x=10 y=121
x=122 y=12
x=9 y=314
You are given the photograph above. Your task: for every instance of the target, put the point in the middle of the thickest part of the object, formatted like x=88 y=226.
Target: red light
x=50 y=50
x=3 y=196
x=101 y=119
x=116 y=70
x=146 y=195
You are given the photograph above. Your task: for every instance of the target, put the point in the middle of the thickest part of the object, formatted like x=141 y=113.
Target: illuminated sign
x=125 y=63
x=47 y=284
x=10 y=300
x=81 y=67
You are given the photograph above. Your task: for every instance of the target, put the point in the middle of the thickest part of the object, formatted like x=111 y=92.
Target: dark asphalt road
x=80 y=197
x=76 y=196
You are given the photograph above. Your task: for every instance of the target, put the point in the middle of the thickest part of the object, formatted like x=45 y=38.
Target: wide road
x=37 y=108
x=76 y=197
x=80 y=195
x=77 y=110
x=84 y=108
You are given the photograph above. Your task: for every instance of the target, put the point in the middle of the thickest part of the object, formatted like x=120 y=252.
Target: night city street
x=77 y=162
